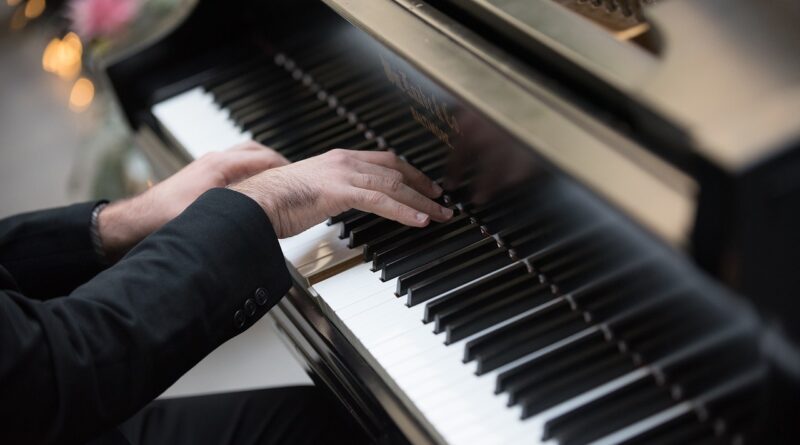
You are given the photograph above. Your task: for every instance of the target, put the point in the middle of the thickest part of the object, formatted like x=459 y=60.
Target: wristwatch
x=94 y=231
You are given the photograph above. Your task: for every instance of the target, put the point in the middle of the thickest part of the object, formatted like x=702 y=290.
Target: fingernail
x=447 y=212
x=421 y=217
x=437 y=189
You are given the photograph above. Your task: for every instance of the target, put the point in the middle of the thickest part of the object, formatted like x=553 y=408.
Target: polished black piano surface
x=620 y=269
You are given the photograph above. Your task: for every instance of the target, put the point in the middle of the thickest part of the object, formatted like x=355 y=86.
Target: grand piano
x=625 y=173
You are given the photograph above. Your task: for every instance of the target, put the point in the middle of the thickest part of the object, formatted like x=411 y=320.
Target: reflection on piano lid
x=548 y=310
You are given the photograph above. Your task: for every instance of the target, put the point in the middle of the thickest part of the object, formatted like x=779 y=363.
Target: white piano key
x=196 y=123
x=349 y=287
x=317 y=249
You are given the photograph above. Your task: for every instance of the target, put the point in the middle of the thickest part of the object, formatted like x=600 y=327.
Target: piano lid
x=724 y=73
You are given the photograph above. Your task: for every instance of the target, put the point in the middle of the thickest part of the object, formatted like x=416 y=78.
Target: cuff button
x=261 y=296
x=250 y=307
x=238 y=319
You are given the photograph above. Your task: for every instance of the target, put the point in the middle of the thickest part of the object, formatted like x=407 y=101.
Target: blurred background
x=63 y=140
x=61 y=137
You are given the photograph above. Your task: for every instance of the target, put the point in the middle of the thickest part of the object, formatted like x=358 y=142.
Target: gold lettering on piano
x=431 y=126
x=427 y=101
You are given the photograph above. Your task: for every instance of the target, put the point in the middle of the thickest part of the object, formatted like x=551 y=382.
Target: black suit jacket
x=82 y=348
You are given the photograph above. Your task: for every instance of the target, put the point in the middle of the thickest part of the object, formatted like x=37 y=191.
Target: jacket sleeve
x=49 y=253
x=74 y=367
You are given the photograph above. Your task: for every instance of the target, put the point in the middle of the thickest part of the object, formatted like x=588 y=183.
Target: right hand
x=301 y=195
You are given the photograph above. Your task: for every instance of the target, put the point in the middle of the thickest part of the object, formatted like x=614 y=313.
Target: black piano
x=625 y=176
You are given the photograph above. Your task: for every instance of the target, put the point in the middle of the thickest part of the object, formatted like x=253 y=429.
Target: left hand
x=124 y=223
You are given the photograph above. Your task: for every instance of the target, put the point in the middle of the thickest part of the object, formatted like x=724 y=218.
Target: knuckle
x=375 y=198
x=394 y=185
x=339 y=156
x=366 y=180
x=400 y=210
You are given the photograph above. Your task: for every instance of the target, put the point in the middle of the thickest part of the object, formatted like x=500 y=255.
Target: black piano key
x=225 y=74
x=356 y=94
x=583 y=272
x=371 y=231
x=315 y=123
x=555 y=312
x=543 y=248
x=560 y=261
x=247 y=100
x=442 y=309
x=610 y=301
x=405 y=258
x=387 y=238
x=378 y=119
x=310 y=111
x=248 y=83
x=428 y=155
x=730 y=403
x=502 y=202
x=401 y=144
x=366 y=145
x=589 y=271
x=526 y=226
x=455 y=275
x=291 y=143
x=557 y=426
x=346 y=137
x=348 y=91
x=309 y=54
x=270 y=118
x=574 y=383
x=529 y=340
x=421 y=146
x=534 y=372
x=324 y=139
x=709 y=374
x=615 y=414
x=492 y=312
x=363 y=99
x=664 y=344
x=683 y=429
x=356 y=221
x=344 y=215
x=469 y=246
x=408 y=237
x=271 y=107
x=655 y=319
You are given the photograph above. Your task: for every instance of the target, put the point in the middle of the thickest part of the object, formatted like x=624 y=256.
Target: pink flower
x=99 y=18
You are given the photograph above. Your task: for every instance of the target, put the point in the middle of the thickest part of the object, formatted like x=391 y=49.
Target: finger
x=382 y=205
x=255 y=146
x=241 y=164
x=413 y=177
x=248 y=145
x=402 y=193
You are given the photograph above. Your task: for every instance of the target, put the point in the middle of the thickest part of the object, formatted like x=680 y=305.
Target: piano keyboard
x=527 y=319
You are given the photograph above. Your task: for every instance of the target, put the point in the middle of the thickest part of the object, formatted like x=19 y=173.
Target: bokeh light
x=34 y=8
x=63 y=56
x=81 y=95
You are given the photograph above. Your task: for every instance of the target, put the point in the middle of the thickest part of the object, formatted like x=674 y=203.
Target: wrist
x=263 y=200
x=121 y=225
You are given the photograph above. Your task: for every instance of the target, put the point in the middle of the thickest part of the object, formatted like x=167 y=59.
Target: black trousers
x=290 y=415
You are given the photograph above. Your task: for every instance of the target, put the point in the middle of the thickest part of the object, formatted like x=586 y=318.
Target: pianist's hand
x=124 y=223
x=303 y=194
